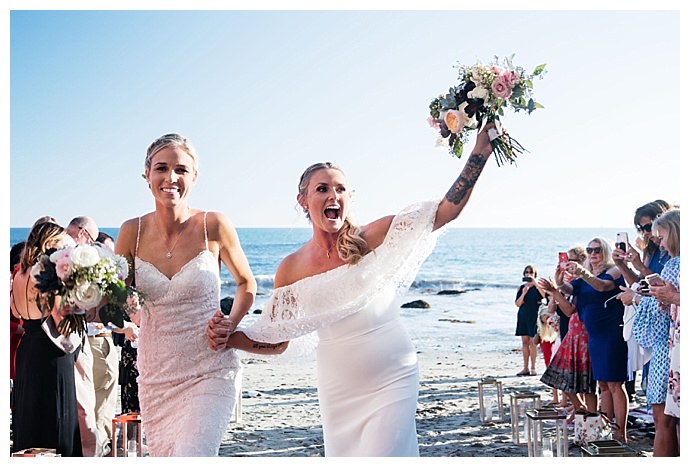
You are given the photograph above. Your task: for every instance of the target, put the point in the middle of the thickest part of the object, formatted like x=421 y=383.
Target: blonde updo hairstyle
x=350 y=245
x=172 y=140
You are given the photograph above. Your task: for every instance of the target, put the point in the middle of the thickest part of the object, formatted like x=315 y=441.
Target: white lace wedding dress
x=186 y=390
x=368 y=380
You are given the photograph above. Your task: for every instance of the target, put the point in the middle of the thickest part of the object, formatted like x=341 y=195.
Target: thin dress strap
x=136 y=247
x=205 y=231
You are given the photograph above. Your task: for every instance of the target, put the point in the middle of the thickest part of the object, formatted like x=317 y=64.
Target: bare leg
x=665 y=439
x=620 y=402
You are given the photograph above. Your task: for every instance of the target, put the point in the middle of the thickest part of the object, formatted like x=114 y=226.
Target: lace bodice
x=320 y=300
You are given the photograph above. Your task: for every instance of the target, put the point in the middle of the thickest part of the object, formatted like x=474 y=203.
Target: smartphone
x=526 y=279
x=654 y=279
x=643 y=289
x=622 y=240
x=562 y=260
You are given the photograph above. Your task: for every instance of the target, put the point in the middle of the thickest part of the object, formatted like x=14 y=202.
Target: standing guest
x=570 y=369
x=651 y=330
x=16 y=329
x=45 y=404
x=186 y=390
x=548 y=340
x=347 y=283
x=598 y=281
x=652 y=262
x=84 y=230
x=528 y=299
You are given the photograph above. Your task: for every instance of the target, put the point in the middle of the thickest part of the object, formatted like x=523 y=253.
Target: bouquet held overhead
x=481 y=97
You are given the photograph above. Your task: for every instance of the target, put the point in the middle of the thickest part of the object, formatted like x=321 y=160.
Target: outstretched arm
x=459 y=194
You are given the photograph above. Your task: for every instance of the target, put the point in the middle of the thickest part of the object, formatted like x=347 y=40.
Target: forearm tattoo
x=261 y=346
x=461 y=189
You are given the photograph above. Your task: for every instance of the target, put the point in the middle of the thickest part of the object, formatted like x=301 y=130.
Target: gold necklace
x=169 y=255
x=328 y=251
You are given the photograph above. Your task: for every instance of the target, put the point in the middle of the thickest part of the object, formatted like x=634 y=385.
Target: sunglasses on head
x=644 y=228
x=596 y=249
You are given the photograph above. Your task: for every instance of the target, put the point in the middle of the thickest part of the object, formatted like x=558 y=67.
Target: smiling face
x=326 y=199
x=171 y=175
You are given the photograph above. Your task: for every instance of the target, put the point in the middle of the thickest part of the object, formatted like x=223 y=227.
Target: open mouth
x=332 y=212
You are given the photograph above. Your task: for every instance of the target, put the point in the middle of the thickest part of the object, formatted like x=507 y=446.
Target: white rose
x=479 y=93
x=122 y=266
x=87 y=295
x=85 y=256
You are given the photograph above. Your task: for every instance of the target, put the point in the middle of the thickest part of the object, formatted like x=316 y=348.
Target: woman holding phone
x=529 y=297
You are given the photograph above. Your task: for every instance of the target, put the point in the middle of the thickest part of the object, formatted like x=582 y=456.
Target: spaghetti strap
x=136 y=247
x=205 y=231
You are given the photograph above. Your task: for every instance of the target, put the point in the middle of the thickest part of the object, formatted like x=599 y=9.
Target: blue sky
x=265 y=93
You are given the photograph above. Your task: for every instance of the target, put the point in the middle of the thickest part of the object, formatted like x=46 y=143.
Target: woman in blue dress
x=597 y=285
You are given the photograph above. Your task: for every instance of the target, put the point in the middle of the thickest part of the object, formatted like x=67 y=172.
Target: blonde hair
x=579 y=252
x=172 y=140
x=607 y=251
x=546 y=332
x=670 y=222
x=350 y=245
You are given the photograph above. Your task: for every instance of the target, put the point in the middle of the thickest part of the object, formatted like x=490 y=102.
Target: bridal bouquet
x=83 y=276
x=482 y=96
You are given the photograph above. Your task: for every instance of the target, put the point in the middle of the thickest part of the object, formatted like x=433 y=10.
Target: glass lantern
x=520 y=403
x=547 y=433
x=128 y=436
x=491 y=400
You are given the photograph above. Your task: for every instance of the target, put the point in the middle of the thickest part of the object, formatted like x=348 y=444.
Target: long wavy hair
x=350 y=245
x=41 y=238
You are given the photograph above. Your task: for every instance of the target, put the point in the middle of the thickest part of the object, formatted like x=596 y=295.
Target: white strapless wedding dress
x=186 y=390
x=368 y=379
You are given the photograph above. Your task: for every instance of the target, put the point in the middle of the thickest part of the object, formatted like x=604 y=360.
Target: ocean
x=481 y=267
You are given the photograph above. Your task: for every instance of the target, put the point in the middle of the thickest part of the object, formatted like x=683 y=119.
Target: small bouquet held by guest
x=482 y=96
x=84 y=275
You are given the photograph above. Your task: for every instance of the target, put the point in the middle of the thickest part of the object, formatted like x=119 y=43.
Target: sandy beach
x=280 y=413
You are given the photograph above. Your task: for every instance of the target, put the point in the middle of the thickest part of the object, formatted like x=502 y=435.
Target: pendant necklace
x=328 y=251
x=169 y=254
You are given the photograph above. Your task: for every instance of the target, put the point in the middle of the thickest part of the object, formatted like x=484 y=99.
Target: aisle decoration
x=84 y=275
x=484 y=93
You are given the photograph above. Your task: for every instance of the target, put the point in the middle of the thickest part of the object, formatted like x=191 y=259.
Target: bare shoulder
x=289 y=270
x=219 y=227
x=375 y=232
x=127 y=236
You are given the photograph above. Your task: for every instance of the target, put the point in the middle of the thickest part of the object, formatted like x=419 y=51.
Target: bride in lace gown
x=186 y=390
x=346 y=283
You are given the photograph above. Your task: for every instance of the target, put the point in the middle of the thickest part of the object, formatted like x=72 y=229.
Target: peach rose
x=456 y=120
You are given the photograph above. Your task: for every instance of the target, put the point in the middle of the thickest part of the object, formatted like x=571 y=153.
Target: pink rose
x=63 y=268
x=511 y=78
x=433 y=123
x=498 y=71
x=501 y=88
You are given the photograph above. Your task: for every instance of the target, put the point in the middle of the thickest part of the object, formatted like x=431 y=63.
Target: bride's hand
x=483 y=143
x=218 y=330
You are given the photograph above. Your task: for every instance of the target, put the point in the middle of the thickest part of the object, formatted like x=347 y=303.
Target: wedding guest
x=651 y=327
x=548 y=340
x=186 y=390
x=652 y=262
x=16 y=329
x=598 y=281
x=570 y=369
x=45 y=405
x=84 y=230
x=346 y=283
x=528 y=299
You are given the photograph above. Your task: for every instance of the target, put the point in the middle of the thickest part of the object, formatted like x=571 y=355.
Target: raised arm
x=457 y=197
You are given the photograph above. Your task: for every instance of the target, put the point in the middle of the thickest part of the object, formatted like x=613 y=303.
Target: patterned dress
x=673 y=395
x=570 y=369
x=651 y=330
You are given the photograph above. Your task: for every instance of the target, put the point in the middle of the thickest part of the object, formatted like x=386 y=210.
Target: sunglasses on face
x=88 y=234
x=596 y=250
x=644 y=228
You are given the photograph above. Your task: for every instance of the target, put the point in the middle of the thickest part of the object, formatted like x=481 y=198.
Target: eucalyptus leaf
x=539 y=69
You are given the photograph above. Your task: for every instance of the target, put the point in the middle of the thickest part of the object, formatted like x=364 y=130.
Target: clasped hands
x=218 y=330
